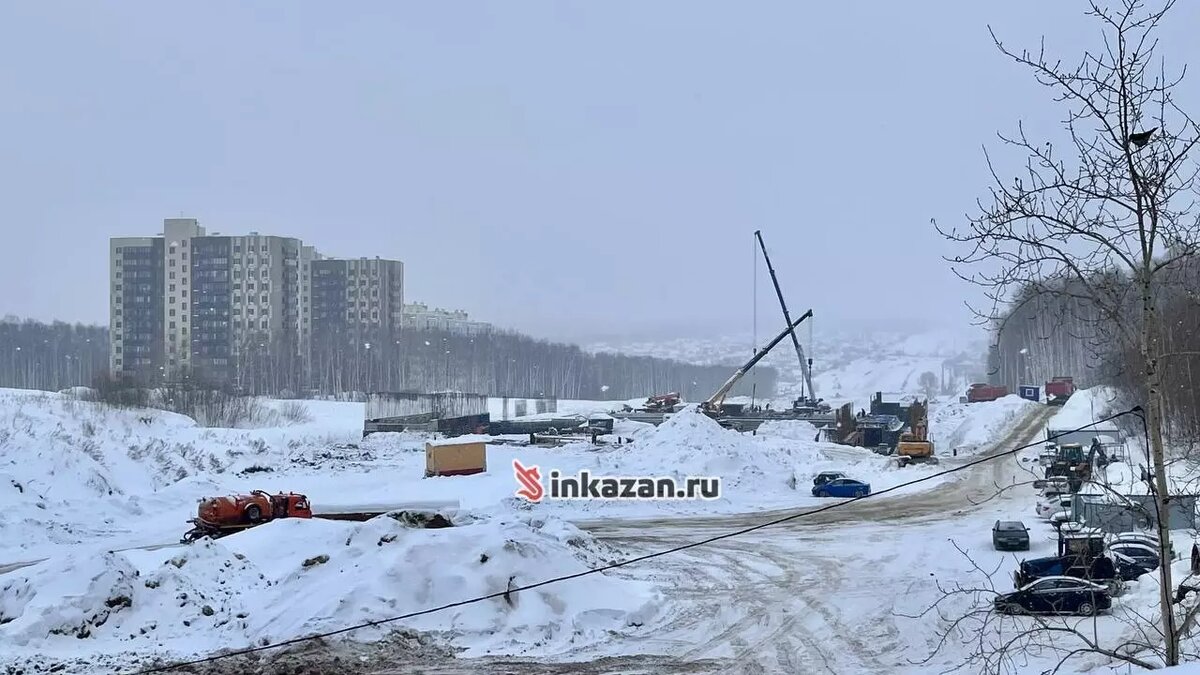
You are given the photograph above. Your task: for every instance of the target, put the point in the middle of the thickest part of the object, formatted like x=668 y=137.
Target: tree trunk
x=1161 y=503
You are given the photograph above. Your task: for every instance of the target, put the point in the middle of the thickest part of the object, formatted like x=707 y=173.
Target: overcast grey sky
x=564 y=168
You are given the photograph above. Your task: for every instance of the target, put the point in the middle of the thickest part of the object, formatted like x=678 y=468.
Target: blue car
x=842 y=487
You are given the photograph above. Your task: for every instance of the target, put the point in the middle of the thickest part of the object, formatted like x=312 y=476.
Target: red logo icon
x=530 y=479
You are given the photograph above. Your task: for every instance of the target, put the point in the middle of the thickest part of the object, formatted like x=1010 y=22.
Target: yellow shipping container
x=455 y=459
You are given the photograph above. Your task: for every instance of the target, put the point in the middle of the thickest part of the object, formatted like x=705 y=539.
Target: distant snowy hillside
x=847 y=364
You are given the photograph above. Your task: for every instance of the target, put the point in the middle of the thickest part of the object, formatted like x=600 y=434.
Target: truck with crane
x=714 y=406
x=807 y=402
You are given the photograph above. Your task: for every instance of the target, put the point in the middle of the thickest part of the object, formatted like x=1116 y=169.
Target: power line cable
x=629 y=561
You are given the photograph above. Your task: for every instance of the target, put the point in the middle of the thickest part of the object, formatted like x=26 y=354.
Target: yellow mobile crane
x=712 y=407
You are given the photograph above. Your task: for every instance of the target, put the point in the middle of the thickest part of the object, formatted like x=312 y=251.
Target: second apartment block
x=189 y=302
x=356 y=297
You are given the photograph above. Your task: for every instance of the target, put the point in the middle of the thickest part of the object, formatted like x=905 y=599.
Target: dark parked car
x=1010 y=535
x=826 y=476
x=1133 y=560
x=1055 y=595
x=842 y=487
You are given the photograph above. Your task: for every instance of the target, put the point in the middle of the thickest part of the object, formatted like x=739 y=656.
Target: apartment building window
x=172 y=313
x=172 y=275
x=184 y=255
x=184 y=305
x=237 y=287
x=172 y=249
x=183 y=293
x=237 y=248
x=264 y=324
x=237 y=274
x=184 y=329
x=172 y=325
x=171 y=262
x=172 y=288
x=265 y=299
x=264 y=248
x=118 y=287
x=172 y=299
x=249 y=311
x=118 y=309
x=249 y=285
x=185 y=269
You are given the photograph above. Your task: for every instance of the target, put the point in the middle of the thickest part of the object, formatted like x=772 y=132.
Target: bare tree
x=928 y=383
x=1104 y=218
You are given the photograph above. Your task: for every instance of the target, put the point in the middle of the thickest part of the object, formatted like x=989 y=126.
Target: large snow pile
x=690 y=443
x=968 y=427
x=1085 y=407
x=296 y=577
x=771 y=469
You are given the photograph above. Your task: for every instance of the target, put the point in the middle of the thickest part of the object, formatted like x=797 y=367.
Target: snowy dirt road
x=792 y=598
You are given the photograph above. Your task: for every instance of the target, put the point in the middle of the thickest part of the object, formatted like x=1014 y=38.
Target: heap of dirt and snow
x=293 y=578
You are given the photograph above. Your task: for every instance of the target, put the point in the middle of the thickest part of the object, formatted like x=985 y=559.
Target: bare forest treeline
x=1044 y=335
x=56 y=356
x=50 y=356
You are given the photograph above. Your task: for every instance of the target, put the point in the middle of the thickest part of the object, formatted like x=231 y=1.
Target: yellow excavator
x=914 y=446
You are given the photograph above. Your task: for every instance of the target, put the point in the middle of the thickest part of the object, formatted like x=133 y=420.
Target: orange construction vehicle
x=219 y=516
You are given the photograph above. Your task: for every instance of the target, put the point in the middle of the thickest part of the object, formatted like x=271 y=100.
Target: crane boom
x=805 y=366
x=713 y=404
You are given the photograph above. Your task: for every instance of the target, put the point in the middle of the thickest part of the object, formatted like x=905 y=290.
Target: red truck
x=980 y=392
x=1059 y=389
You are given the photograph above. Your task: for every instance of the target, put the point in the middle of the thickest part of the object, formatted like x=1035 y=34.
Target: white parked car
x=1047 y=508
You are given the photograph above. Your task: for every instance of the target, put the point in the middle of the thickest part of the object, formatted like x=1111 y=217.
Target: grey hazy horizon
x=572 y=170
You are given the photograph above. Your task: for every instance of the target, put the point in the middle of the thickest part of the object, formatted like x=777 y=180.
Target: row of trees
x=507 y=364
x=56 y=356
x=50 y=356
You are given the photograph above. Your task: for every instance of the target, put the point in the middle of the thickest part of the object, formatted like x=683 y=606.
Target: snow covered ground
x=296 y=577
x=102 y=496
